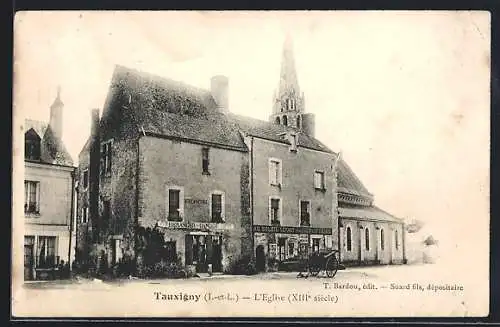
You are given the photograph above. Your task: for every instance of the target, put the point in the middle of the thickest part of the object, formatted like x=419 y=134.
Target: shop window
x=305 y=213
x=217 y=207
x=382 y=241
x=281 y=249
x=367 y=239
x=32 y=145
x=275 y=172
x=319 y=180
x=31 y=197
x=175 y=203
x=275 y=211
x=396 y=239
x=205 y=161
x=47 y=252
x=170 y=251
x=349 y=238
x=315 y=244
x=291 y=249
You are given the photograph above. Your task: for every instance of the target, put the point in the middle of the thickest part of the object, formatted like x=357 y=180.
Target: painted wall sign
x=291 y=230
x=194 y=225
x=196 y=201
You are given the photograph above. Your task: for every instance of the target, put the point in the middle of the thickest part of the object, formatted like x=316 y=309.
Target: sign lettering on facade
x=196 y=201
x=194 y=225
x=291 y=230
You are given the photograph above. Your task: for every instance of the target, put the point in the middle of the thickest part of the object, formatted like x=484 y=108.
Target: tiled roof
x=266 y=130
x=52 y=149
x=348 y=181
x=372 y=213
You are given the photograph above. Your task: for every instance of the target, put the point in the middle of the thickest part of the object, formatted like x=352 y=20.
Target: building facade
x=48 y=196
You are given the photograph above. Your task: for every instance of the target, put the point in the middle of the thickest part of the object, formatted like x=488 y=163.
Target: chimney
x=94 y=123
x=56 y=115
x=219 y=86
x=308 y=124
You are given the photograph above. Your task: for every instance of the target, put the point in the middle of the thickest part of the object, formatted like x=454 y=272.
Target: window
x=315 y=244
x=275 y=172
x=382 y=241
x=349 y=238
x=85 y=179
x=396 y=239
x=281 y=249
x=85 y=215
x=367 y=239
x=275 y=211
x=305 y=213
x=217 y=207
x=278 y=121
x=106 y=157
x=205 y=161
x=47 y=251
x=319 y=180
x=175 y=203
x=298 y=121
x=285 y=120
x=293 y=142
x=31 y=197
x=291 y=249
x=31 y=145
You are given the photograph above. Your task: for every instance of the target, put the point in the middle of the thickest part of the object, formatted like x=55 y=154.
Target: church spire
x=288 y=75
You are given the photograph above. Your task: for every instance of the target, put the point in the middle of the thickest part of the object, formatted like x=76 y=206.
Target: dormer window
x=31 y=145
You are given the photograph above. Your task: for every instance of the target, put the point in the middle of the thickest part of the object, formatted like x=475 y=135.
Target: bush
x=242 y=266
x=273 y=264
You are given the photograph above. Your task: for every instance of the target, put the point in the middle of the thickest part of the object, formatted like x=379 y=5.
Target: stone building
x=164 y=157
x=48 y=195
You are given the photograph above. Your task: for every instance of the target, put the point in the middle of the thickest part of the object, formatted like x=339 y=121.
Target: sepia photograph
x=251 y=164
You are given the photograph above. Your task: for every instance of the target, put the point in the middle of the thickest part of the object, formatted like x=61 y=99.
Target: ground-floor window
x=281 y=249
x=315 y=245
x=170 y=251
x=47 y=251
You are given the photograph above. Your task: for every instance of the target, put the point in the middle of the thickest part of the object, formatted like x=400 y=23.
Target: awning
x=368 y=213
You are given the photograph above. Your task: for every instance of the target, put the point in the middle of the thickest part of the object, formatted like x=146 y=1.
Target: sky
x=403 y=95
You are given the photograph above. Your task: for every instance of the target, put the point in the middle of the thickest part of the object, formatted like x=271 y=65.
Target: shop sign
x=291 y=229
x=196 y=201
x=200 y=226
x=303 y=238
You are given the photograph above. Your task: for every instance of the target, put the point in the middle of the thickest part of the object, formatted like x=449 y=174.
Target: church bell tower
x=289 y=102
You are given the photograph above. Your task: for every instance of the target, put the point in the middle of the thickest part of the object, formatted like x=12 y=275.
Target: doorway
x=260 y=258
x=29 y=242
x=216 y=255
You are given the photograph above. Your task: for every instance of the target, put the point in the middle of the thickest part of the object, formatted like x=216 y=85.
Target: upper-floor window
x=32 y=197
x=349 y=238
x=319 y=180
x=106 y=154
x=85 y=215
x=305 y=213
x=85 y=178
x=285 y=120
x=175 y=203
x=205 y=160
x=275 y=172
x=31 y=145
x=217 y=207
x=367 y=239
x=275 y=211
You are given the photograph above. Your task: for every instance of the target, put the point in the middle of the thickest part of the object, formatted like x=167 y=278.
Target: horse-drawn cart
x=318 y=261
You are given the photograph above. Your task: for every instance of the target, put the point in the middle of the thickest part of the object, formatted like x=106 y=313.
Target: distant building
x=48 y=185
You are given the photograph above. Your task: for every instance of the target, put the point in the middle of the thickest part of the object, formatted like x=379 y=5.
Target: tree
x=414 y=226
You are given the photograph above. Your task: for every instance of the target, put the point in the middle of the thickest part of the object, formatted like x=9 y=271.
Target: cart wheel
x=332 y=265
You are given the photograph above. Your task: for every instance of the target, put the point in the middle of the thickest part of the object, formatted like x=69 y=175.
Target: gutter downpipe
x=404 y=242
